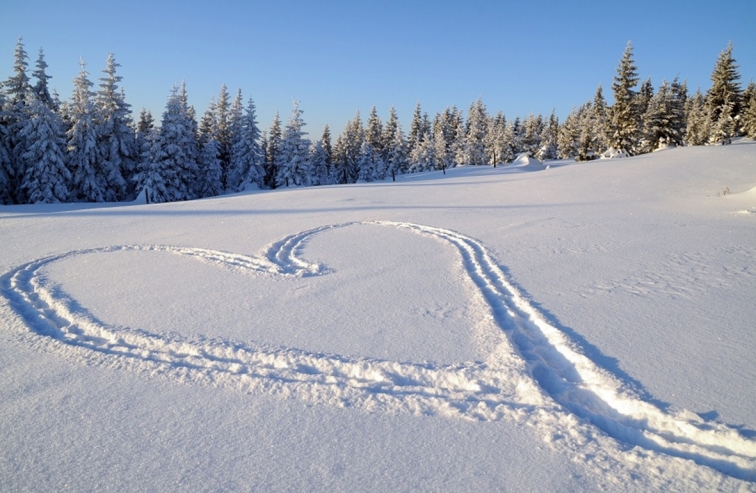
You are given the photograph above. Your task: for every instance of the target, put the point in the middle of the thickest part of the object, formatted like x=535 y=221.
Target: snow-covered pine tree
x=366 y=162
x=46 y=177
x=374 y=131
x=748 y=122
x=531 y=137
x=295 y=152
x=222 y=131
x=549 y=137
x=273 y=152
x=6 y=197
x=423 y=157
x=475 y=134
x=724 y=95
x=319 y=174
x=209 y=165
x=624 y=119
x=697 y=122
x=178 y=149
x=416 y=130
x=570 y=132
x=387 y=135
x=495 y=141
x=397 y=161
x=346 y=152
x=88 y=182
x=599 y=122
x=40 y=88
x=325 y=139
x=152 y=179
x=13 y=117
x=115 y=136
x=247 y=157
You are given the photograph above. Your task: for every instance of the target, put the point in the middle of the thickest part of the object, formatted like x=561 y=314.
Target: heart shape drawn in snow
x=475 y=391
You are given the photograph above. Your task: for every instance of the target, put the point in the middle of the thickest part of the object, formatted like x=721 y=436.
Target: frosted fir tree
x=295 y=152
x=179 y=148
x=346 y=152
x=46 y=177
x=319 y=169
x=388 y=132
x=247 y=156
x=624 y=118
x=374 y=131
x=476 y=129
x=117 y=146
x=366 y=162
x=496 y=141
x=396 y=154
x=209 y=174
x=325 y=139
x=222 y=131
x=423 y=157
x=569 y=135
x=723 y=99
x=697 y=127
x=549 y=137
x=13 y=118
x=531 y=136
x=41 y=89
x=416 y=131
x=84 y=158
x=600 y=121
x=6 y=166
x=749 y=115
x=153 y=179
x=273 y=152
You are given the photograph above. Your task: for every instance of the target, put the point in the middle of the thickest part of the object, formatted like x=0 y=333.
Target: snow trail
x=470 y=390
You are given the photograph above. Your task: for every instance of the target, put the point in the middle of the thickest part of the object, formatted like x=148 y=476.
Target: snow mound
x=613 y=153
x=527 y=162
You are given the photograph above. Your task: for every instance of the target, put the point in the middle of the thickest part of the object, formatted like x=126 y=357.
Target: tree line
x=89 y=148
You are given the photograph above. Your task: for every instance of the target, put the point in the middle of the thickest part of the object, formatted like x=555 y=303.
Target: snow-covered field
x=586 y=327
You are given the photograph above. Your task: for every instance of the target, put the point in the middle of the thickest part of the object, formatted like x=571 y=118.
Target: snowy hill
x=576 y=327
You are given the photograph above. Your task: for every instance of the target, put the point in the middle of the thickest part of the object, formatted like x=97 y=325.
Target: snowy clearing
x=580 y=326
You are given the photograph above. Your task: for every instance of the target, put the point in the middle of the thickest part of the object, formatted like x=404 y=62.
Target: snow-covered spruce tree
x=273 y=152
x=366 y=162
x=724 y=129
x=423 y=156
x=319 y=174
x=6 y=197
x=346 y=152
x=152 y=178
x=328 y=151
x=747 y=97
x=247 y=156
x=13 y=117
x=374 y=131
x=395 y=150
x=222 y=131
x=724 y=95
x=475 y=133
x=295 y=152
x=443 y=136
x=495 y=142
x=697 y=122
x=549 y=137
x=46 y=177
x=178 y=149
x=531 y=137
x=209 y=165
x=599 y=124
x=387 y=135
x=570 y=133
x=84 y=155
x=748 y=122
x=115 y=136
x=416 y=129
x=624 y=119
x=41 y=89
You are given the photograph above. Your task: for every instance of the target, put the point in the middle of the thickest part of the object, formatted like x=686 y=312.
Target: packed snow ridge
x=555 y=367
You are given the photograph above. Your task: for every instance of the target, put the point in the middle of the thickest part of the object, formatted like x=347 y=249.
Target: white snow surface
x=582 y=327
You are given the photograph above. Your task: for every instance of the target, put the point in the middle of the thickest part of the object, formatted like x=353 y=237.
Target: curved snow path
x=475 y=391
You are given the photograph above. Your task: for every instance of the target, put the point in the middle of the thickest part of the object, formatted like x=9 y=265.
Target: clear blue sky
x=337 y=57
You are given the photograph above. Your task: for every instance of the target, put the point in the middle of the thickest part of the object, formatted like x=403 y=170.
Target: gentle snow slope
x=512 y=328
